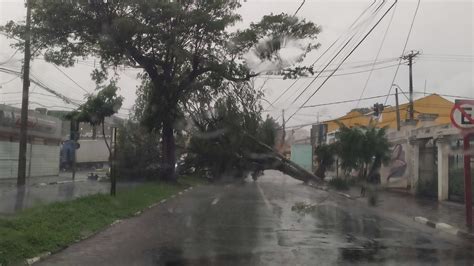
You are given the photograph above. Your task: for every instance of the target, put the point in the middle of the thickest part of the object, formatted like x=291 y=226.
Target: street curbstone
x=345 y=195
x=420 y=219
x=445 y=228
x=115 y=222
x=465 y=235
x=44 y=255
x=431 y=224
x=37 y=258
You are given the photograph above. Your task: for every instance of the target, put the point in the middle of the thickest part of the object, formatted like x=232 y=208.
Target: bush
x=340 y=183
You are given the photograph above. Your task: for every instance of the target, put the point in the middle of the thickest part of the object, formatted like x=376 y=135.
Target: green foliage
x=340 y=183
x=275 y=30
x=54 y=226
x=220 y=141
x=359 y=148
x=183 y=47
x=97 y=107
x=138 y=152
x=350 y=146
x=325 y=156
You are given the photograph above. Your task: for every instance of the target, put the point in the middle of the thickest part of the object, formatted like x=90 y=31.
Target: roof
x=432 y=105
x=351 y=119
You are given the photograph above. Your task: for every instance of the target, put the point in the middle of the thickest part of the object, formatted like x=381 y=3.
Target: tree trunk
x=94 y=132
x=168 y=152
x=105 y=139
x=374 y=174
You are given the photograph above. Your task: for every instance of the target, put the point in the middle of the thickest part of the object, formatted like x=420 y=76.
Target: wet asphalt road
x=259 y=224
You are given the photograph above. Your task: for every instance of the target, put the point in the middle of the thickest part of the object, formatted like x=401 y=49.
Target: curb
x=44 y=255
x=345 y=195
x=60 y=182
x=445 y=228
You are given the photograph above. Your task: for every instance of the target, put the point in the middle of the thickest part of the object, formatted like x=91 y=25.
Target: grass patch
x=51 y=227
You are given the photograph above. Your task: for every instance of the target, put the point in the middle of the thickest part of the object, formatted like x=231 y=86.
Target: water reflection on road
x=267 y=222
x=16 y=199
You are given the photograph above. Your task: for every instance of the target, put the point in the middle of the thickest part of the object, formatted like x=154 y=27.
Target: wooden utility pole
x=24 y=102
x=398 y=109
x=283 y=135
x=113 y=166
x=409 y=57
x=74 y=137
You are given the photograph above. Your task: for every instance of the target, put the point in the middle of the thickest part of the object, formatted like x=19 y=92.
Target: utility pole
x=283 y=136
x=410 y=57
x=113 y=168
x=74 y=137
x=398 y=109
x=24 y=102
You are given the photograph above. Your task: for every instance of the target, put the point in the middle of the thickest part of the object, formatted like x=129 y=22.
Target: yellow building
x=351 y=119
x=432 y=107
x=435 y=105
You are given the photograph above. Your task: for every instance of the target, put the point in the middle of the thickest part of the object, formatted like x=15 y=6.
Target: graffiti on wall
x=398 y=164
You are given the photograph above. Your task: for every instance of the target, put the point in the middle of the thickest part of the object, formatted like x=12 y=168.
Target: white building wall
x=42 y=160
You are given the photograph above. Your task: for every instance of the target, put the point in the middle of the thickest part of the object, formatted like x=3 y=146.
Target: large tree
x=220 y=139
x=182 y=46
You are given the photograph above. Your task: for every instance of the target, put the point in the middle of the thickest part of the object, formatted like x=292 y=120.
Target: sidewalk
x=407 y=204
x=32 y=181
x=43 y=190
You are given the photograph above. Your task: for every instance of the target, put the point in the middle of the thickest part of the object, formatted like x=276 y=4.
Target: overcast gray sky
x=443 y=32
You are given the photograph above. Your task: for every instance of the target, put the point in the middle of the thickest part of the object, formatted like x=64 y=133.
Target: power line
x=351 y=73
x=449 y=55
x=404 y=49
x=345 y=101
x=345 y=58
x=10 y=80
x=67 y=76
x=10 y=58
x=342 y=74
x=333 y=58
x=39 y=83
x=298 y=10
x=447 y=59
x=378 y=54
x=327 y=49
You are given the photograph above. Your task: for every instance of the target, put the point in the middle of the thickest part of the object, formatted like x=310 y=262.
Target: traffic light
x=378 y=109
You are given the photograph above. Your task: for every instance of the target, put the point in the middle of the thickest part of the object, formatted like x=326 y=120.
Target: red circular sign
x=462 y=114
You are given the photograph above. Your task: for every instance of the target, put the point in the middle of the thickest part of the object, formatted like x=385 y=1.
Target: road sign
x=462 y=114
x=462 y=117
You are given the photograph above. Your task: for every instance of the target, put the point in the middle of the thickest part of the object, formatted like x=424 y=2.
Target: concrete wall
x=302 y=154
x=421 y=164
x=42 y=160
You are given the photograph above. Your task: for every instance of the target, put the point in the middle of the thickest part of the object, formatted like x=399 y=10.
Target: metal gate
x=428 y=170
x=456 y=175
